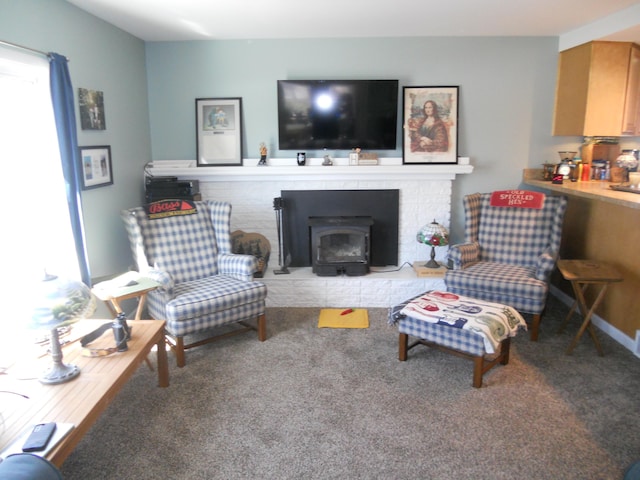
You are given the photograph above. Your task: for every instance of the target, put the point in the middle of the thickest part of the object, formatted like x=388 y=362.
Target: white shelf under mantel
x=287 y=169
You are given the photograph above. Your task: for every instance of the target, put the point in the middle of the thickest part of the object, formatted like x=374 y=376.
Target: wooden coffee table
x=82 y=400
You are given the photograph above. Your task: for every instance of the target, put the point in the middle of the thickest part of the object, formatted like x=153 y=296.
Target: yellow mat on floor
x=332 y=318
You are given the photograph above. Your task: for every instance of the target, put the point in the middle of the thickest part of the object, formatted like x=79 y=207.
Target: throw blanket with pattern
x=493 y=321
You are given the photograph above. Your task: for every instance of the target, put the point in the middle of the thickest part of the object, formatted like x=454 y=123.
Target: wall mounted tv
x=337 y=114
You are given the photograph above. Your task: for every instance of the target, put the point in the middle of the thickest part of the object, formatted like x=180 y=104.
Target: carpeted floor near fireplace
x=329 y=403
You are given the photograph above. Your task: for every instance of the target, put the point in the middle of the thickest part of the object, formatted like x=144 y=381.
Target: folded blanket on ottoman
x=493 y=321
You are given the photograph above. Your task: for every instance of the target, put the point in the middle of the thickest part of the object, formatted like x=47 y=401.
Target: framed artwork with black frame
x=96 y=166
x=430 y=125
x=219 y=132
x=91 y=106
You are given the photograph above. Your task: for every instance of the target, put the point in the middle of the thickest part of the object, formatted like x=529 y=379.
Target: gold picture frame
x=430 y=125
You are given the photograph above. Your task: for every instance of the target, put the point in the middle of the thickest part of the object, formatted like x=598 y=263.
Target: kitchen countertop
x=596 y=190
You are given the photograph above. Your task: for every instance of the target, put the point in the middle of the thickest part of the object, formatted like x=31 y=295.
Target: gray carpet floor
x=326 y=403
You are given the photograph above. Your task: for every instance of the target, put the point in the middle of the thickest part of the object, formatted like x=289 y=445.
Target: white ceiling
x=177 y=20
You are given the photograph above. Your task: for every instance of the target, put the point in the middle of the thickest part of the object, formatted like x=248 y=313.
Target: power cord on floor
x=394 y=270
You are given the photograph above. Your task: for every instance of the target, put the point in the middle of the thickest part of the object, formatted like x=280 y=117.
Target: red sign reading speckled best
x=517 y=198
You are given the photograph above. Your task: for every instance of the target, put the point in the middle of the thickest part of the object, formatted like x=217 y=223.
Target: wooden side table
x=581 y=274
x=124 y=287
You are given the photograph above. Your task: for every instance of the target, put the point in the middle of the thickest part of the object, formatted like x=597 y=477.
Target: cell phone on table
x=39 y=437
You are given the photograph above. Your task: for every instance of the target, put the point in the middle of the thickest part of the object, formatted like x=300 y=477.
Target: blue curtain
x=65 y=117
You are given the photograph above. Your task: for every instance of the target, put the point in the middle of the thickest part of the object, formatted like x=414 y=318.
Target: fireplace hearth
x=340 y=245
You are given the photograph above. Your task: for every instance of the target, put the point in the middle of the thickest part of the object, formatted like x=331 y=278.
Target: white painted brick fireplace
x=425 y=195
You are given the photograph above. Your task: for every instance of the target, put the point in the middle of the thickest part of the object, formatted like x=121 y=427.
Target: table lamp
x=58 y=303
x=434 y=235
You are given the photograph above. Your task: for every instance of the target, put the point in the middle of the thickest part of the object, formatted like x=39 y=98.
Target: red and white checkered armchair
x=203 y=284
x=509 y=252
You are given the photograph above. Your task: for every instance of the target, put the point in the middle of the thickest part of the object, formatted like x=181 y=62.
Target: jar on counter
x=548 y=169
x=628 y=160
x=598 y=169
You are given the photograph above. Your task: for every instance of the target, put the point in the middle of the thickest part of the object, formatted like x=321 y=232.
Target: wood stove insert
x=300 y=205
x=340 y=245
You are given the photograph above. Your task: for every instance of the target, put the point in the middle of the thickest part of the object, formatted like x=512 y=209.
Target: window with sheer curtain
x=36 y=227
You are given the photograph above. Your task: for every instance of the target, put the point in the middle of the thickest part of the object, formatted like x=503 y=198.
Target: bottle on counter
x=576 y=172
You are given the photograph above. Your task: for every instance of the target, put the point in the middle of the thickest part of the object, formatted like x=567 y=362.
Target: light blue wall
x=507 y=88
x=506 y=98
x=103 y=58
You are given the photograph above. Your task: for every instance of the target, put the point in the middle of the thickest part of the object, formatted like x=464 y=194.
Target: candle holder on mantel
x=434 y=235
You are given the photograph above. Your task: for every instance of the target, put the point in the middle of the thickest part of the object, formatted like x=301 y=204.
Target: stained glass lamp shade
x=58 y=303
x=434 y=235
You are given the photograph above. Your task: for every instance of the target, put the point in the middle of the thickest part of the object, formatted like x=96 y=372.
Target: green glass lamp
x=58 y=303
x=434 y=235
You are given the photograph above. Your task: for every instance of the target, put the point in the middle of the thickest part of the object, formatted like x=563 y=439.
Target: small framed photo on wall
x=430 y=125
x=219 y=131
x=91 y=104
x=96 y=167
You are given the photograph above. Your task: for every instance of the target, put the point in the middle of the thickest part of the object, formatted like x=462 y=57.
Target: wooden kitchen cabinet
x=631 y=115
x=598 y=90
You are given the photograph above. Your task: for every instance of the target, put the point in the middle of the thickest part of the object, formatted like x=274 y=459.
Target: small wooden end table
x=124 y=287
x=581 y=274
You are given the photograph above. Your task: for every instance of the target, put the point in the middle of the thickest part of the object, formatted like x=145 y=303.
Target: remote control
x=39 y=437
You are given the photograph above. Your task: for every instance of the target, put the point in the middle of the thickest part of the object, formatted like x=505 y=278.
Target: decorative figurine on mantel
x=327 y=159
x=263 y=154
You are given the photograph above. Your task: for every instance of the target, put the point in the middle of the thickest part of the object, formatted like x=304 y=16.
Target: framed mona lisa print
x=430 y=125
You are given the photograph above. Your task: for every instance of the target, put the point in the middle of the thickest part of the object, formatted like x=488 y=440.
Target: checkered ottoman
x=452 y=339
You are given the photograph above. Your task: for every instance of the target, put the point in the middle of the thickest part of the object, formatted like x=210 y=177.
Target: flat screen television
x=337 y=114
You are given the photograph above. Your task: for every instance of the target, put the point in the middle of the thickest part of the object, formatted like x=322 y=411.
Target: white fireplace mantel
x=282 y=169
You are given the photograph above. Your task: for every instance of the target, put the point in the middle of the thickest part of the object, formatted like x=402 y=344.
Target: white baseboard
x=606 y=327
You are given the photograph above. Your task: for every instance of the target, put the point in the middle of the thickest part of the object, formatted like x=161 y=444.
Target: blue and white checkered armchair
x=508 y=254
x=204 y=285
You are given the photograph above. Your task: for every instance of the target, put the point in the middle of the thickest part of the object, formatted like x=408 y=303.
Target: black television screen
x=337 y=114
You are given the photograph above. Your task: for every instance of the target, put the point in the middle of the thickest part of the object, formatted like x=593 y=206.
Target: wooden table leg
x=163 y=364
x=141 y=301
x=403 y=342
x=478 y=369
x=114 y=307
x=570 y=314
x=582 y=305
x=505 y=349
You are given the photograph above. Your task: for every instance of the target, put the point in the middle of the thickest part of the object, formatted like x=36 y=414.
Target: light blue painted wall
x=507 y=88
x=506 y=98
x=103 y=58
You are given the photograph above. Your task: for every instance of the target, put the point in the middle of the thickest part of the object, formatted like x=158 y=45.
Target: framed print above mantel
x=96 y=167
x=219 y=132
x=430 y=125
